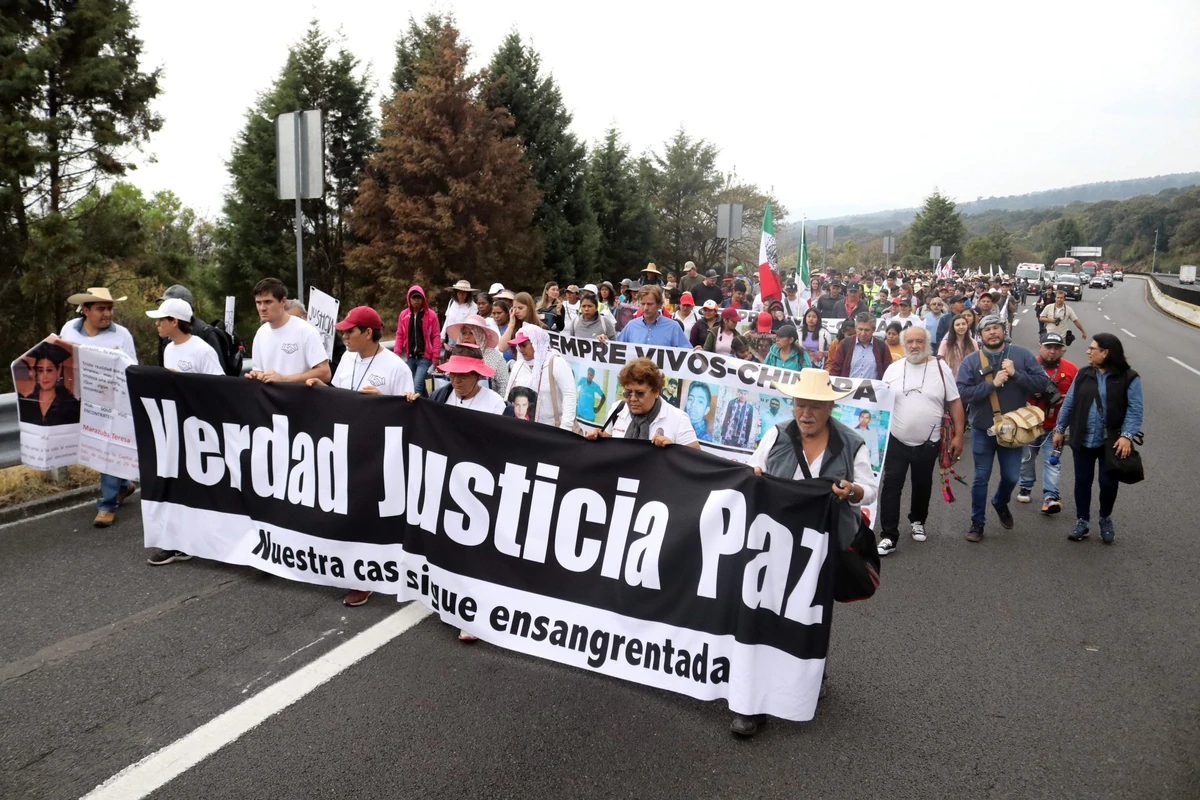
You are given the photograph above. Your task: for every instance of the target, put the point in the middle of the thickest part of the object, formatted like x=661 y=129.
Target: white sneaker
x=918 y=531
x=886 y=546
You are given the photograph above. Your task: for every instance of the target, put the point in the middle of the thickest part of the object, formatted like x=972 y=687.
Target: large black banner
x=665 y=566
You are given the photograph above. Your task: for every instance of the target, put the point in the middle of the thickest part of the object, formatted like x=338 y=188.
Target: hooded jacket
x=429 y=328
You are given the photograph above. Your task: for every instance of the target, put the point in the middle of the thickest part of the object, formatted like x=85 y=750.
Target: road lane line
x=1107 y=317
x=1126 y=331
x=1185 y=366
x=157 y=769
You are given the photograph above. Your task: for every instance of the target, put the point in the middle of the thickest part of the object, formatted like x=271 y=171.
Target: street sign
x=889 y=245
x=825 y=236
x=935 y=252
x=729 y=221
x=1086 y=252
x=299 y=171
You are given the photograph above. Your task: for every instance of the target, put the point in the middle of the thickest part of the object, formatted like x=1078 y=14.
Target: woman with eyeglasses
x=643 y=414
x=1103 y=409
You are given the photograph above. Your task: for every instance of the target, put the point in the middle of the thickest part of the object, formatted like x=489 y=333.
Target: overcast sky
x=840 y=106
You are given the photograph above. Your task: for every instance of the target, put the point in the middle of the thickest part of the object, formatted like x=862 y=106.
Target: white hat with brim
x=813 y=385
x=455 y=331
x=462 y=286
x=652 y=269
x=95 y=294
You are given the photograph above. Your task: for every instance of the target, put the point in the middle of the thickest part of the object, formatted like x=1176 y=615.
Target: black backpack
x=231 y=350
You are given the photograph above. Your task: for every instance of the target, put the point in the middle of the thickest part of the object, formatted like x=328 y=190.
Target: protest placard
x=322 y=315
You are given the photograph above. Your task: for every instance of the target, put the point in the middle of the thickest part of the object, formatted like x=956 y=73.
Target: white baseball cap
x=591 y=287
x=172 y=307
x=496 y=287
x=709 y=304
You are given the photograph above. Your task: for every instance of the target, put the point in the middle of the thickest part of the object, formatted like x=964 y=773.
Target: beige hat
x=96 y=294
x=462 y=286
x=813 y=385
x=651 y=268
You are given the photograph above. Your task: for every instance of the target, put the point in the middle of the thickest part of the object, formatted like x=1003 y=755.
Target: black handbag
x=1128 y=469
x=856 y=570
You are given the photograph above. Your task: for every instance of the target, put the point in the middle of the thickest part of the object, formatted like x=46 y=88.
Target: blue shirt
x=1094 y=437
x=862 y=362
x=663 y=332
x=585 y=404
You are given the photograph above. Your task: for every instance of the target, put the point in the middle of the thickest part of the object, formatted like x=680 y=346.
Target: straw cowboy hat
x=96 y=294
x=652 y=269
x=813 y=385
x=462 y=286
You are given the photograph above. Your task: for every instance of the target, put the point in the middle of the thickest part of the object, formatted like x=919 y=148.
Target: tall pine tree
x=558 y=159
x=258 y=231
x=621 y=206
x=936 y=223
x=448 y=194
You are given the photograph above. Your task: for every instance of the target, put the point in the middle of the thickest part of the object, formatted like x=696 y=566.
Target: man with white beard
x=924 y=387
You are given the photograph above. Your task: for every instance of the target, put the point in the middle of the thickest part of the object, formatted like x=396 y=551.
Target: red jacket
x=429 y=326
x=843 y=357
x=1062 y=377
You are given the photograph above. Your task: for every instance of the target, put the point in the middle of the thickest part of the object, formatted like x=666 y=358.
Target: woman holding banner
x=474 y=330
x=644 y=414
x=546 y=372
x=590 y=323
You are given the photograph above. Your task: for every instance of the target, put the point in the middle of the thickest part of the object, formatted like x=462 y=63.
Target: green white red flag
x=802 y=276
x=768 y=260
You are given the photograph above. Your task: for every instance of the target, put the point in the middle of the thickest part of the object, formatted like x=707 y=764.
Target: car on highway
x=1098 y=282
x=1070 y=283
x=1119 y=276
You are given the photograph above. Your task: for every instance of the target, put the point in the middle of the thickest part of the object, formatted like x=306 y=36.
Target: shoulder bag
x=1124 y=470
x=549 y=369
x=1016 y=428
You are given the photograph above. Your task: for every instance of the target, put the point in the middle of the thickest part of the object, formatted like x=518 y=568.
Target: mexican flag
x=768 y=260
x=802 y=276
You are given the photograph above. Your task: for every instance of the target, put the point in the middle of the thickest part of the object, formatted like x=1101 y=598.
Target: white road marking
x=157 y=769
x=1016 y=322
x=1024 y=310
x=1126 y=331
x=1107 y=317
x=1185 y=366
x=25 y=520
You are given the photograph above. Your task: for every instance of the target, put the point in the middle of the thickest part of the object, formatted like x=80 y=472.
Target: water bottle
x=1053 y=460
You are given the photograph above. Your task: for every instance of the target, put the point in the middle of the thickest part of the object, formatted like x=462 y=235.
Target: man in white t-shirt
x=286 y=349
x=924 y=388
x=183 y=353
x=367 y=368
x=94 y=327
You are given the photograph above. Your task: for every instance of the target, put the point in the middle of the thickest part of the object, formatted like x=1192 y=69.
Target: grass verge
x=22 y=484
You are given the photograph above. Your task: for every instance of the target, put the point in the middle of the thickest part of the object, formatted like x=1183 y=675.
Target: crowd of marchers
x=943 y=345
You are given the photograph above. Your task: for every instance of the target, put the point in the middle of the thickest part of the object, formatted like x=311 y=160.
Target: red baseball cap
x=686 y=299
x=361 y=317
x=764 y=322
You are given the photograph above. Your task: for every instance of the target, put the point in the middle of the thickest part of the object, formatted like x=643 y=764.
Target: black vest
x=1113 y=405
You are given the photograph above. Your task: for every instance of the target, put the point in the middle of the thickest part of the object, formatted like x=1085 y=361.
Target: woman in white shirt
x=474 y=330
x=644 y=415
x=545 y=371
x=460 y=307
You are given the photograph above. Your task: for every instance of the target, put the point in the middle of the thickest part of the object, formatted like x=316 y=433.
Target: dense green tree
x=74 y=107
x=622 y=209
x=1067 y=234
x=257 y=234
x=994 y=248
x=936 y=223
x=415 y=47
x=448 y=194
x=683 y=182
x=558 y=159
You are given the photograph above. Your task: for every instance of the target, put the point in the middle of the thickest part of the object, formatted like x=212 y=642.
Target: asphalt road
x=1026 y=666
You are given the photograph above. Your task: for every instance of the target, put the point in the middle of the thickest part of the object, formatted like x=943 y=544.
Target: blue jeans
x=984 y=447
x=1085 y=472
x=110 y=487
x=1050 y=472
x=420 y=368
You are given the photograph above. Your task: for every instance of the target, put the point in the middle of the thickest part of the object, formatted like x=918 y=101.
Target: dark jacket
x=1114 y=404
x=843 y=358
x=835 y=308
x=976 y=390
x=702 y=293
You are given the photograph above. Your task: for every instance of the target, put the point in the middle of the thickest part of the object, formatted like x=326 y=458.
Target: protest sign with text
x=323 y=315
x=714 y=583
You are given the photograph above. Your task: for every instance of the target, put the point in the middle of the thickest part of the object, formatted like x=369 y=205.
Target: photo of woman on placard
x=47 y=400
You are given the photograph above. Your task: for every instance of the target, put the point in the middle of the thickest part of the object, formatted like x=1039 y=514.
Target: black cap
x=1053 y=338
x=180 y=292
x=712 y=273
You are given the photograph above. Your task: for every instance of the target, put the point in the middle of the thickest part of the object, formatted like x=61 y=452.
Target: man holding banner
x=286 y=348
x=94 y=327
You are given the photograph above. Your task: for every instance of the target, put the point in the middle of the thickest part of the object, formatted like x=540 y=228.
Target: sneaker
x=126 y=493
x=1006 y=517
x=463 y=636
x=886 y=546
x=104 y=519
x=1023 y=495
x=918 y=531
x=1051 y=506
x=1081 y=531
x=976 y=533
x=356 y=597
x=167 y=557
x=1107 y=532
x=747 y=725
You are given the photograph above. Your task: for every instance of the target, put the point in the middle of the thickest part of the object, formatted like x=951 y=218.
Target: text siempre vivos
x=301 y=471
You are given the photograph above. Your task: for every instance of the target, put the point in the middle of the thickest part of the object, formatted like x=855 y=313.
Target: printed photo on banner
x=700 y=404
x=524 y=403
x=593 y=392
x=737 y=418
x=45 y=382
x=871 y=425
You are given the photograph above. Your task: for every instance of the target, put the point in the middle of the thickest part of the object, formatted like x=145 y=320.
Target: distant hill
x=861 y=226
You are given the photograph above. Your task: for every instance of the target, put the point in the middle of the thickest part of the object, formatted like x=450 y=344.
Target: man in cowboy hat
x=651 y=276
x=95 y=327
x=831 y=450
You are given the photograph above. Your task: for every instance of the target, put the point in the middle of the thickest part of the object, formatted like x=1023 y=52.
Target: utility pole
x=1154 y=255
